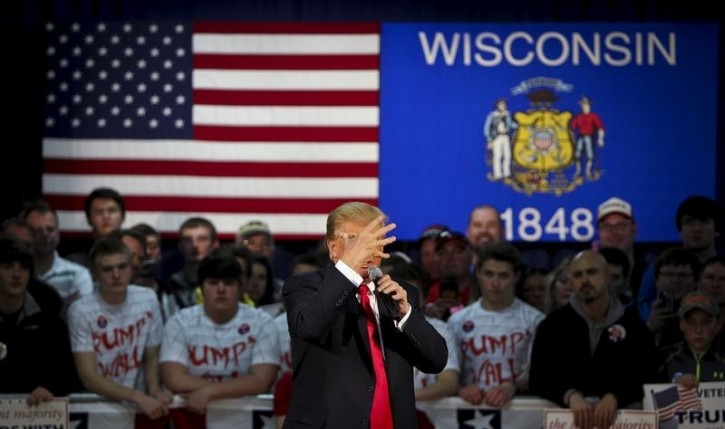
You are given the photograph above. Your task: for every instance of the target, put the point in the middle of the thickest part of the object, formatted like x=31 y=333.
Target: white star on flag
x=480 y=422
x=268 y=421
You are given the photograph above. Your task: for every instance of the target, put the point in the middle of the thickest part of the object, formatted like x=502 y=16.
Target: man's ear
x=332 y=249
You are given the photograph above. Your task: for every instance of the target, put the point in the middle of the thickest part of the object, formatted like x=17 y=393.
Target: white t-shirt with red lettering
x=117 y=334
x=220 y=351
x=285 y=356
x=495 y=346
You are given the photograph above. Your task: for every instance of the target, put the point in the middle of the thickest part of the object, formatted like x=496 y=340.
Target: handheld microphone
x=375 y=274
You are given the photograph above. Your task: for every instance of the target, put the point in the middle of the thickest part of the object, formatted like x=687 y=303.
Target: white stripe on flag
x=216 y=186
x=282 y=116
x=167 y=150
x=286 y=80
x=286 y=44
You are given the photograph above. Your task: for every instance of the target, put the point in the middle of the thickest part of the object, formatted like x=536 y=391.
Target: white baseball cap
x=614 y=205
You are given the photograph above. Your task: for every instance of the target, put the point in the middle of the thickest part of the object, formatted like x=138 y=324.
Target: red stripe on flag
x=689 y=399
x=286 y=62
x=225 y=27
x=282 y=98
x=212 y=204
x=286 y=134
x=224 y=236
x=667 y=412
x=209 y=169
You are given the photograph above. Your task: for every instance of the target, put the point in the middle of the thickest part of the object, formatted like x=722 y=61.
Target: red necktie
x=381 y=415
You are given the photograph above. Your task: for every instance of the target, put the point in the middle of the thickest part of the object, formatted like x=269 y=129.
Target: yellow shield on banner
x=543 y=141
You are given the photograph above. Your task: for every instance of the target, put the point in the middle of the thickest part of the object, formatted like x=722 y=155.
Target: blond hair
x=550 y=280
x=355 y=212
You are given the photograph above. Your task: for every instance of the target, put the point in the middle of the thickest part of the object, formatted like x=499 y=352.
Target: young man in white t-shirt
x=495 y=333
x=116 y=334
x=221 y=348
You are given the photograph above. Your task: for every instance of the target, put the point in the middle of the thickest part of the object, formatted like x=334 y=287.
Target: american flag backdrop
x=227 y=120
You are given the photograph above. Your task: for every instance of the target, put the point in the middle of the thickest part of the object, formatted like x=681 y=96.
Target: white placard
x=680 y=408
x=16 y=414
x=626 y=419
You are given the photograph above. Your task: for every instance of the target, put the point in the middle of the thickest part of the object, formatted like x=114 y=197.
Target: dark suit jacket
x=333 y=377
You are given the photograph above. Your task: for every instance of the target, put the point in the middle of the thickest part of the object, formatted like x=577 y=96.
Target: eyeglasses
x=614 y=227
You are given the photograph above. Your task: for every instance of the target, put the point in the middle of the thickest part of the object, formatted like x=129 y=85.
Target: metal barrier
x=92 y=411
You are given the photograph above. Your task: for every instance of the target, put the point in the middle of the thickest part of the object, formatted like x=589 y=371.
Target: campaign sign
x=681 y=408
x=546 y=122
x=626 y=419
x=16 y=414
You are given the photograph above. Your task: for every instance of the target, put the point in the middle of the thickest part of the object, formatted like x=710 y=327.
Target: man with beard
x=484 y=226
x=592 y=355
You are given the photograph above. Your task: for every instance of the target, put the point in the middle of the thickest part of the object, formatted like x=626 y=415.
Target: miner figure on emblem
x=587 y=125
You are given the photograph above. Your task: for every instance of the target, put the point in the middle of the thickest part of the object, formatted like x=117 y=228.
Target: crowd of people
x=585 y=333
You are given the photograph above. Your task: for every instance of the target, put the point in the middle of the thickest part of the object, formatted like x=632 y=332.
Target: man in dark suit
x=333 y=363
